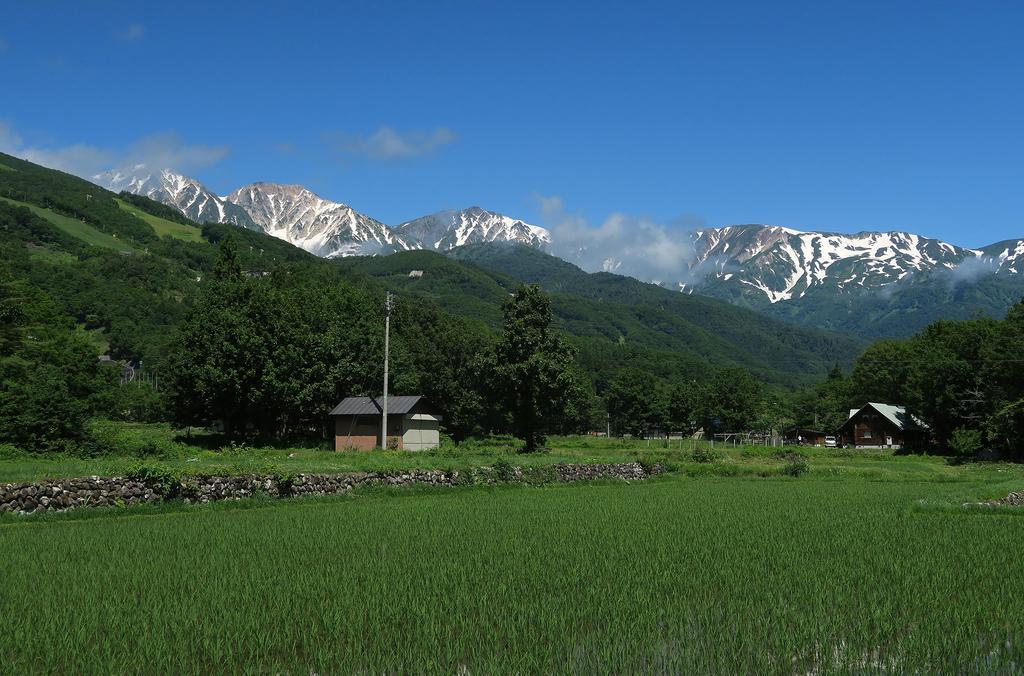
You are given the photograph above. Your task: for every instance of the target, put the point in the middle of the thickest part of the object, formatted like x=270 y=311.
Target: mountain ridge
x=866 y=282
x=326 y=228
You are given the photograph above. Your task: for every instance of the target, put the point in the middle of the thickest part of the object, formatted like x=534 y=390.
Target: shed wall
x=422 y=432
x=362 y=432
x=353 y=431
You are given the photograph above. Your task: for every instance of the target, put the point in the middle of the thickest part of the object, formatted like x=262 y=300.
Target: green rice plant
x=718 y=574
x=683 y=576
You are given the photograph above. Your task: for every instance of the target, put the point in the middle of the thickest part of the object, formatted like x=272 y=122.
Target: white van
x=830 y=442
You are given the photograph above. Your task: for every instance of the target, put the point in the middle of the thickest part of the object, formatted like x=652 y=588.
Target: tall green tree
x=733 y=401
x=636 y=402
x=51 y=381
x=684 y=406
x=534 y=379
x=269 y=356
x=882 y=372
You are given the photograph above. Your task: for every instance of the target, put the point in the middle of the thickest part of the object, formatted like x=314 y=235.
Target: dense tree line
x=268 y=356
x=723 y=400
x=52 y=381
x=965 y=379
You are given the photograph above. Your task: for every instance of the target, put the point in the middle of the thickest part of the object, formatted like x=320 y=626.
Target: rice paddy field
x=677 y=574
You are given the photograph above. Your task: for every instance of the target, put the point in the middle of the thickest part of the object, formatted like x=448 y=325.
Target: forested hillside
x=617 y=321
x=86 y=273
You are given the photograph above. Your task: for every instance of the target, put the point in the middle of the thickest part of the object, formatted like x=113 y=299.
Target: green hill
x=616 y=320
x=68 y=237
x=162 y=226
x=74 y=227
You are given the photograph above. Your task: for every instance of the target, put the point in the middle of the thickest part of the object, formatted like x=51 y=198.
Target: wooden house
x=883 y=426
x=413 y=424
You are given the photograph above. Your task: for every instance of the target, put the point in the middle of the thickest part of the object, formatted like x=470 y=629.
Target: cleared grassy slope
x=162 y=226
x=78 y=229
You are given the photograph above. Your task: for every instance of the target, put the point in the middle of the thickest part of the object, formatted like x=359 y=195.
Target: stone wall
x=64 y=494
x=1014 y=499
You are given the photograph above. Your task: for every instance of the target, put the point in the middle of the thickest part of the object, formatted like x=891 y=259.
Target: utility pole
x=388 y=304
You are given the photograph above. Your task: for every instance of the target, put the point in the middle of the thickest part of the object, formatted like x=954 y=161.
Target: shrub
x=465 y=476
x=138 y=401
x=160 y=479
x=504 y=471
x=103 y=438
x=789 y=455
x=285 y=481
x=703 y=454
x=965 y=442
x=796 y=467
x=537 y=476
x=107 y=437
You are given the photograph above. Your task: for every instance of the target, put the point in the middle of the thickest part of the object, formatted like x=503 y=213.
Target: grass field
x=170 y=450
x=76 y=228
x=162 y=226
x=719 y=575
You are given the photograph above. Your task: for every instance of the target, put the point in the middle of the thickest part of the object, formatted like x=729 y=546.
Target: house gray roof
x=897 y=415
x=372 y=405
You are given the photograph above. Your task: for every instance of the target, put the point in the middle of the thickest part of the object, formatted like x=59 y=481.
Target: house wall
x=870 y=429
x=421 y=432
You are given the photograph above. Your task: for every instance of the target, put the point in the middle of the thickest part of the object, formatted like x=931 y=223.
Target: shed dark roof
x=372 y=405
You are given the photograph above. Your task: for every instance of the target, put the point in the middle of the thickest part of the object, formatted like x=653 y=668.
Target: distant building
x=883 y=426
x=413 y=424
x=804 y=437
x=415 y=273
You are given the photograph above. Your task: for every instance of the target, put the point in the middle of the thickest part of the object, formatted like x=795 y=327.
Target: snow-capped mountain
x=449 y=229
x=756 y=265
x=325 y=228
x=869 y=283
x=328 y=229
x=186 y=194
x=781 y=264
x=1006 y=256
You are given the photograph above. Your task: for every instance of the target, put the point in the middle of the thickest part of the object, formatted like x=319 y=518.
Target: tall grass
x=710 y=575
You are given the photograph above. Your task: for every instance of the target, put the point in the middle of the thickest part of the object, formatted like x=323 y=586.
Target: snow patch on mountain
x=186 y=194
x=782 y=264
x=322 y=227
x=448 y=229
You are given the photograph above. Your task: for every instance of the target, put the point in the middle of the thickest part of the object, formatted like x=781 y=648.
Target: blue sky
x=816 y=115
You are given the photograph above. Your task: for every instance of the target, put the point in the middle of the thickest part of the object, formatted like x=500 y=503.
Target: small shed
x=413 y=424
x=883 y=426
x=803 y=436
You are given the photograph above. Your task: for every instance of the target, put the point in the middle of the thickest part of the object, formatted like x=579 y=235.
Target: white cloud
x=627 y=245
x=132 y=33
x=388 y=144
x=158 y=151
x=9 y=139
x=971 y=269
